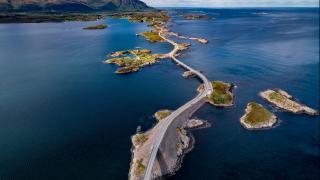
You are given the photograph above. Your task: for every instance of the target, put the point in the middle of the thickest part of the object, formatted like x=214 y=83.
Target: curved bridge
x=168 y=121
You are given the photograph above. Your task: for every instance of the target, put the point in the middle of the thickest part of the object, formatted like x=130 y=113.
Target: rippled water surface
x=65 y=115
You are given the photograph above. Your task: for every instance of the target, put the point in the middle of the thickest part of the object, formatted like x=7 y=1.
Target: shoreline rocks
x=196 y=123
x=285 y=101
x=188 y=74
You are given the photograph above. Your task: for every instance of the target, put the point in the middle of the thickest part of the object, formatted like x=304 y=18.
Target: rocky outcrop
x=285 y=101
x=71 y=5
x=188 y=74
x=196 y=123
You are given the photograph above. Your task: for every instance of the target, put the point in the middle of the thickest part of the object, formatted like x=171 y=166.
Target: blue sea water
x=65 y=115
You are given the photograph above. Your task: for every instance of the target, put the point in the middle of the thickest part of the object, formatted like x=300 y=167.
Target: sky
x=232 y=3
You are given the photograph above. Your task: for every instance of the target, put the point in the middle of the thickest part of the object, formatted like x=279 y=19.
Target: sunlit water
x=65 y=115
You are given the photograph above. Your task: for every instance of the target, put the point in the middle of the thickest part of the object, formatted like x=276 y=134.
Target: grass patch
x=281 y=99
x=125 y=61
x=140 y=138
x=220 y=94
x=257 y=114
x=162 y=114
x=140 y=168
x=152 y=36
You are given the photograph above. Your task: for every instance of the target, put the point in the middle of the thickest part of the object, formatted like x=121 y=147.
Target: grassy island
x=285 y=101
x=95 y=27
x=152 y=36
x=257 y=117
x=197 y=16
x=162 y=114
x=133 y=60
x=221 y=95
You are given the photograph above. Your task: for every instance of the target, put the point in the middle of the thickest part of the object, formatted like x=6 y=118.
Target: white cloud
x=232 y=3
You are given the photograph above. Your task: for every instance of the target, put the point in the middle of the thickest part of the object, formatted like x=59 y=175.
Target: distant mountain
x=71 y=5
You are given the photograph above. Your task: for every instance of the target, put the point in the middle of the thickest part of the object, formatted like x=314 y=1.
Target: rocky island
x=285 y=101
x=133 y=60
x=221 y=95
x=95 y=27
x=257 y=117
x=197 y=16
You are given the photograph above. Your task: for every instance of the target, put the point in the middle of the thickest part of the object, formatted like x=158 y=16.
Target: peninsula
x=257 y=117
x=285 y=101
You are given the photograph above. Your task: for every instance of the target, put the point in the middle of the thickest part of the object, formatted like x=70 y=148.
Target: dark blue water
x=65 y=115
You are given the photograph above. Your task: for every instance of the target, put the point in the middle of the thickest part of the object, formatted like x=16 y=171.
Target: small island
x=285 y=101
x=96 y=27
x=221 y=95
x=257 y=117
x=133 y=60
x=152 y=36
x=197 y=16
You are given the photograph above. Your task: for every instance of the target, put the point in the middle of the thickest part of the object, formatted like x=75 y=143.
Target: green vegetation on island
x=152 y=36
x=257 y=117
x=139 y=167
x=221 y=95
x=162 y=114
x=285 y=101
x=133 y=60
x=139 y=139
x=95 y=27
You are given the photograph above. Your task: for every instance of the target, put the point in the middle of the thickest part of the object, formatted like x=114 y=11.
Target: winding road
x=176 y=113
